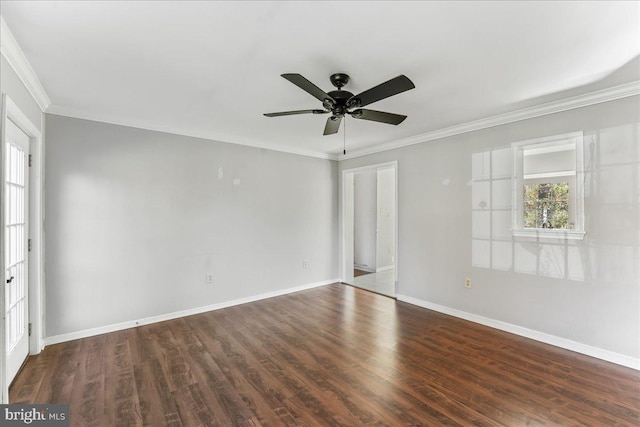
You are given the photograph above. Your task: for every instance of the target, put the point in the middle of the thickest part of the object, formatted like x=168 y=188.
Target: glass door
x=16 y=178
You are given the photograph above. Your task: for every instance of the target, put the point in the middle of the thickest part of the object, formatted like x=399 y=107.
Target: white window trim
x=548 y=145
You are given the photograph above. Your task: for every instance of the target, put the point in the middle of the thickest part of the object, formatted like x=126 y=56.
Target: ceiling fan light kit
x=341 y=102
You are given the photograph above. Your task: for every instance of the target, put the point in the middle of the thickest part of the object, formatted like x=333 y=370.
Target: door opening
x=16 y=232
x=369 y=227
x=21 y=240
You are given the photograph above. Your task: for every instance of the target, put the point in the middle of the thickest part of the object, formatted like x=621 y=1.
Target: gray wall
x=136 y=219
x=586 y=291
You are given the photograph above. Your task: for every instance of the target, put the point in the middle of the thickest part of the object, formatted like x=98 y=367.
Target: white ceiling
x=212 y=69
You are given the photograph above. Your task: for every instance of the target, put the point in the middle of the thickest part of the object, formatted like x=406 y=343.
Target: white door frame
x=346 y=218
x=10 y=111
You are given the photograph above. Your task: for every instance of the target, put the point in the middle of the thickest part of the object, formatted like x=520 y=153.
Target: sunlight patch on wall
x=612 y=215
x=493 y=244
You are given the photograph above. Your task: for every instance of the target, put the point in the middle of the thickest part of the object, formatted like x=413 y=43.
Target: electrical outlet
x=305 y=264
x=467 y=282
x=209 y=278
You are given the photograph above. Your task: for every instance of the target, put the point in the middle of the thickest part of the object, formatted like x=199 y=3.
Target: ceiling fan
x=340 y=102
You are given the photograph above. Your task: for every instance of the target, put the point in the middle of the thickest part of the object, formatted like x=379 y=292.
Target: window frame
x=548 y=145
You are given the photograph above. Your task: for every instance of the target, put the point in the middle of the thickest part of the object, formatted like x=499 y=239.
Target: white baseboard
x=609 y=356
x=189 y=312
x=388 y=267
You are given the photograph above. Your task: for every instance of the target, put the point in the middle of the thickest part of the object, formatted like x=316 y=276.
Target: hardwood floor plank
x=88 y=386
x=156 y=406
x=258 y=384
x=465 y=380
x=371 y=379
x=331 y=376
x=39 y=371
x=374 y=389
x=386 y=396
x=483 y=360
x=334 y=355
x=122 y=406
x=57 y=386
x=193 y=408
x=171 y=357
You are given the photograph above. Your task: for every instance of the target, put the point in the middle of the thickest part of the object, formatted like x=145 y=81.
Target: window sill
x=542 y=233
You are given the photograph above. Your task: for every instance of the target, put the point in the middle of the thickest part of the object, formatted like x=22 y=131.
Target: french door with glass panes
x=16 y=180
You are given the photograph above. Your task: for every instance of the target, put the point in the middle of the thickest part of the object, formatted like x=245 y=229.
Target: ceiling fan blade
x=378 y=116
x=308 y=87
x=332 y=126
x=384 y=90
x=291 y=113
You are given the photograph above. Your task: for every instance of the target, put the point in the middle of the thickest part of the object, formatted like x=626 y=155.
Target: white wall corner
x=599 y=353
x=15 y=57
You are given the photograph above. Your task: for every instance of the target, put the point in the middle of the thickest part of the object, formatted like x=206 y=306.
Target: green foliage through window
x=546 y=206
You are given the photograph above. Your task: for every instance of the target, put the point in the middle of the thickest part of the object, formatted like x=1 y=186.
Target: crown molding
x=211 y=136
x=10 y=49
x=597 y=97
x=15 y=57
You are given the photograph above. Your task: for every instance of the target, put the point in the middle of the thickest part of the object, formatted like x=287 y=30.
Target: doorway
x=16 y=308
x=21 y=233
x=369 y=231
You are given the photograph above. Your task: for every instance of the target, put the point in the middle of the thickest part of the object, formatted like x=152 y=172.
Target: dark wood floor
x=357 y=272
x=330 y=356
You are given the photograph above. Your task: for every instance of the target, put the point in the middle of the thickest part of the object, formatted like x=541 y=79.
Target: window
x=546 y=205
x=547 y=191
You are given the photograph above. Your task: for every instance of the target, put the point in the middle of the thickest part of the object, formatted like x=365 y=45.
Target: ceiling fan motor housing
x=340 y=97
